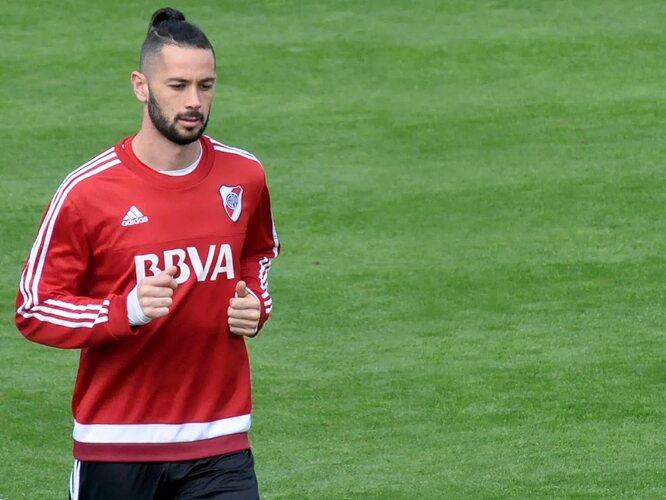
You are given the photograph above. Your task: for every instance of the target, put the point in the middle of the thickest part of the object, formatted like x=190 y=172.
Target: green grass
x=470 y=197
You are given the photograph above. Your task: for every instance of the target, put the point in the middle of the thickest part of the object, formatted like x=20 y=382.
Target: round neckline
x=185 y=170
x=126 y=154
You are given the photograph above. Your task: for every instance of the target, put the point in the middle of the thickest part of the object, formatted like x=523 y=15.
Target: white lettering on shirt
x=187 y=260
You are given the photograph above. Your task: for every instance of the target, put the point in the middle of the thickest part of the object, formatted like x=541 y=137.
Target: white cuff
x=135 y=314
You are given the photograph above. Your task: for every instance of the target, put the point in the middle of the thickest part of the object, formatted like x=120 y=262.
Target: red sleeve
x=50 y=306
x=260 y=248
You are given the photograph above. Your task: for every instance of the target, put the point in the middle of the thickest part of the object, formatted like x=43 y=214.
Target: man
x=152 y=258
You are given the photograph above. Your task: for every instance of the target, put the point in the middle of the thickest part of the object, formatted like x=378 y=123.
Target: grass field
x=470 y=197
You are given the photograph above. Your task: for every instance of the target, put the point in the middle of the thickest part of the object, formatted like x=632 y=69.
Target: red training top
x=177 y=388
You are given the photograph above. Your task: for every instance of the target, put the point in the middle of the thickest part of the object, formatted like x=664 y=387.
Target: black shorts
x=225 y=477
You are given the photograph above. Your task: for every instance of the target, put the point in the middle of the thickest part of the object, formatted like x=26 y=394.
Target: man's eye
x=177 y=86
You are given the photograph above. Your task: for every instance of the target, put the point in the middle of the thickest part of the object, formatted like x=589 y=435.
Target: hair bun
x=164 y=15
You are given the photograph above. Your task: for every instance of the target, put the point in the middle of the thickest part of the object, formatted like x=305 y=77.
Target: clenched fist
x=155 y=293
x=244 y=311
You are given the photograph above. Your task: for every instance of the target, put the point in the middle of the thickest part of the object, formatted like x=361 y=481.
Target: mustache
x=189 y=115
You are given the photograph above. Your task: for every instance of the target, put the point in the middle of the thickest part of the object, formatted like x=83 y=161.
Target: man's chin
x=184 y=141
x=191 y=133
x=186 y=136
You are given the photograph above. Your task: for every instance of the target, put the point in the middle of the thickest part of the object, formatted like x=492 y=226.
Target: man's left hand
x=244 y=312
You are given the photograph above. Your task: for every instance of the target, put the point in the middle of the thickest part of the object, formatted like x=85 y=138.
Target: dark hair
x=169 y=27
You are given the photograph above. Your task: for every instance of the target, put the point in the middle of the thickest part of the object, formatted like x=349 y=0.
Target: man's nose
x=193 y=99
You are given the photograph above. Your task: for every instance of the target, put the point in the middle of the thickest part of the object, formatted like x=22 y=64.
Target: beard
x=169 y=129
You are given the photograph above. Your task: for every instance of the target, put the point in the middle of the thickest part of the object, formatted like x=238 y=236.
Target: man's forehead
x=181 y=62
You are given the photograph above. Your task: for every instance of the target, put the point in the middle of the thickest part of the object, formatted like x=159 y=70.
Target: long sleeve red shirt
x=177 y=388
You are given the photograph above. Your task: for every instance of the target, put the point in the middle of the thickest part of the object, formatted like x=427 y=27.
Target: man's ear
x=140 y=86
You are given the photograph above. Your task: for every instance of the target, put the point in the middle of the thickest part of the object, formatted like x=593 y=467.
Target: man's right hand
x=155 y=293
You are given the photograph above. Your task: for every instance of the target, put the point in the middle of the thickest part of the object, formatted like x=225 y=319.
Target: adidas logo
x=134 y=216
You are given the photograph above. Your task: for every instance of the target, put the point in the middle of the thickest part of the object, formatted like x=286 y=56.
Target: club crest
x=232 y=199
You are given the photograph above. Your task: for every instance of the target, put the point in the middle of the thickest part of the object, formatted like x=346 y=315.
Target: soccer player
x=152 y=259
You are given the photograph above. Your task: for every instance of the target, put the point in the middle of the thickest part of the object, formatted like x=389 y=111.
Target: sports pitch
x=471 y=202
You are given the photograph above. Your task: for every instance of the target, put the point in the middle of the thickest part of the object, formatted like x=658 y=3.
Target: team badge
x=232 y=199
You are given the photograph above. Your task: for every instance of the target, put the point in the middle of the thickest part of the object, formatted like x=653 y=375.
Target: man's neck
x=159 y=153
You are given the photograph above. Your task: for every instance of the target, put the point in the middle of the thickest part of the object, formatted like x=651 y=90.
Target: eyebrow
x=185 y=80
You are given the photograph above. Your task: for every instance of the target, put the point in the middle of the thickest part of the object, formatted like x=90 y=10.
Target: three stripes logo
x=134 y=216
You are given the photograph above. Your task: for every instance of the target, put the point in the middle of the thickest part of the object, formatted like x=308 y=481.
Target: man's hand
x=244 y=312
x=155 y=293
